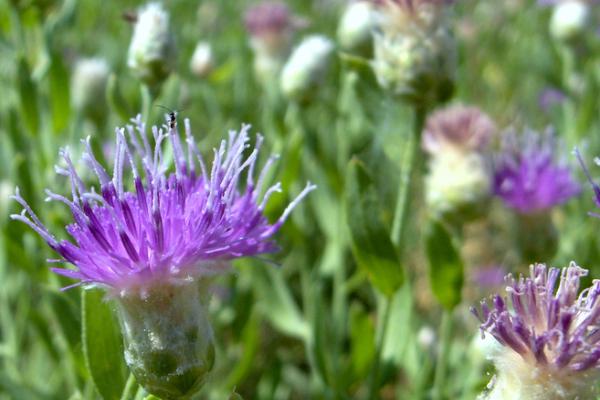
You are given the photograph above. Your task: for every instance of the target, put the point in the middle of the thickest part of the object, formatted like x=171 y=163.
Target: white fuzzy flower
x=88 y=84
x=356 y=25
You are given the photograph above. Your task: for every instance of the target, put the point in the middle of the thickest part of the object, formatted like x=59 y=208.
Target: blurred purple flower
x=527 y=176
x=489 y=276
x=551 y=325
x=270 y=17
x=549 y=97
x=173 y=226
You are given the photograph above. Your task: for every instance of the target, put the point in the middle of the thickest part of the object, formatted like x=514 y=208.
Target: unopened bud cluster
x=414 y=50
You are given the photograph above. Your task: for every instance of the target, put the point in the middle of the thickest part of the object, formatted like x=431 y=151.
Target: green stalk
x=374 y=386
x=130 y=387
x=406 y=172
x=445 y=337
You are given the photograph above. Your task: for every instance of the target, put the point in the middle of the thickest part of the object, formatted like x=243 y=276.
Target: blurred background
x=341 y=312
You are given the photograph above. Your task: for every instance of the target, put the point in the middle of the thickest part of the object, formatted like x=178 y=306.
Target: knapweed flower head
x=152 y=50
x=529 y=177
x=271 y=26
x=414 y=50
x=169 y=225
x=549 y=346
x=202 y=61
x=457 y=128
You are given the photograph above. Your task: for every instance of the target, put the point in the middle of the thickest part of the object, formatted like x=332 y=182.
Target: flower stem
x=445 y=336
x=387 y=306
x=406 y=172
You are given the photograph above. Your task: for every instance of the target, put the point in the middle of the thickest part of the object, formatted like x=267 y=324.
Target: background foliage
x=347 y=313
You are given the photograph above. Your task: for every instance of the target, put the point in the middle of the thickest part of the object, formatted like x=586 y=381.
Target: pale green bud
x=569 y=19
x=88 y=86
x=202 y=63
x=457 y=186
x=168 y=338
x=152 y=52
x=356 y=25
x=306 y=66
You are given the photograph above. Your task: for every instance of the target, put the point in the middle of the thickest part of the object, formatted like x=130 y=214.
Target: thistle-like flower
x=271 y=26
x=149 y=244
x=528 y=177
x=549 y=346
x=415 y=53
x=570 y=18
x=152 y=50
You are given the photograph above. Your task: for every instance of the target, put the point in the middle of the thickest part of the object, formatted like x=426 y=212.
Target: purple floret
x=550 y=324
x=529 y=178
x=175 y=225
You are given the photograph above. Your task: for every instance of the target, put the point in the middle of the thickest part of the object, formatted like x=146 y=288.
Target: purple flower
x=550 y=97
x=527 y=176
x=168 y=226
x=550 y=334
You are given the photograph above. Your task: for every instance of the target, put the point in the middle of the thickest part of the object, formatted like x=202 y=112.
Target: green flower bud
x=168 y=338
x=202 y=63
x=88 y=86
x=152 y=51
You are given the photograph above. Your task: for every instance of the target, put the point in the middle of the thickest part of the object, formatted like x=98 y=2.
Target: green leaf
x=445 y=265
x=277 y=303
x=371 y=244
x=102 y=345
x=362 y=333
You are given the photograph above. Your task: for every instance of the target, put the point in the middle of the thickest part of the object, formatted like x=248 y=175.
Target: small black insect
x=172 y=116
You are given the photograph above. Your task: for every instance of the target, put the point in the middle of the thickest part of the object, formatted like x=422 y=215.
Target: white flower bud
x=151 y=53
x=201 y=63
x=88 y=85
x=306 y=66
x=356 y=25
x=569 y=19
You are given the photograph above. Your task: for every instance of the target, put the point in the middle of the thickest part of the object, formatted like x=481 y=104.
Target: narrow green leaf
x=362 y=333
x=102 y=345
x=28 y=95
x=59 y=94
x=371 y=244
x=445 y=265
